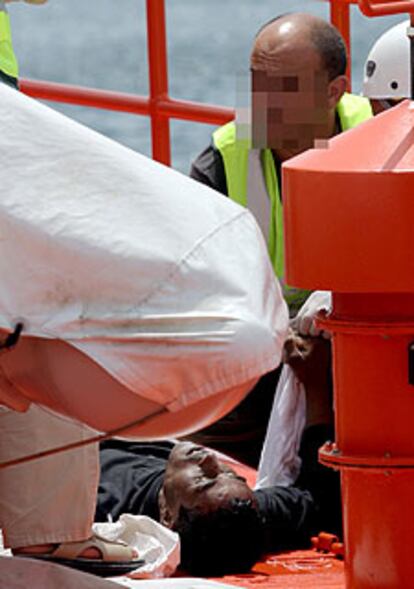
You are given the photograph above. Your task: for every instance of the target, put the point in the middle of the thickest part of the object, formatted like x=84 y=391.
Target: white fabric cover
x=279 y=461
x=162 y=282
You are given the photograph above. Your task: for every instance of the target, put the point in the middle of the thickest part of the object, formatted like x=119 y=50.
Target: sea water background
x=102 y=44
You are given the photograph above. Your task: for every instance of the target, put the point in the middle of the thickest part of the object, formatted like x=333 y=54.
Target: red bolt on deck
x=349 y=217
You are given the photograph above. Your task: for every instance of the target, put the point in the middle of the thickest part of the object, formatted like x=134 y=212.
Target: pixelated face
x=289 y=108
x=196 y=479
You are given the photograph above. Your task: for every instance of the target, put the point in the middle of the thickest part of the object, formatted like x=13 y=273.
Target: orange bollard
x=349 y=218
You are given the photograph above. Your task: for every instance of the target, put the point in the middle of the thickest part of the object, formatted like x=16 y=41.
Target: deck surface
x=301 y=569
x=293 y=570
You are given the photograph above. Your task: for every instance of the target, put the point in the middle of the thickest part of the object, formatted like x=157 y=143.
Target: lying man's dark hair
x=228 y=540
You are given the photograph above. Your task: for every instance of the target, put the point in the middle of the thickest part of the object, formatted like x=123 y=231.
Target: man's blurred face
x=290 y=91
x=290 y=109
x=196 y=479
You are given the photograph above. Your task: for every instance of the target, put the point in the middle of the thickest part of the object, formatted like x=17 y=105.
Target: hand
x=309 y=358
x=305 y=321
x=305 y=325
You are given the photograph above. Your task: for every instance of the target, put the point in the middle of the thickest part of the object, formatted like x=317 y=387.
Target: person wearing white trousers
x=137 y=306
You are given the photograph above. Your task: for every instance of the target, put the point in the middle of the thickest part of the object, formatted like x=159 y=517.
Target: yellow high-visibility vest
x=351 y=110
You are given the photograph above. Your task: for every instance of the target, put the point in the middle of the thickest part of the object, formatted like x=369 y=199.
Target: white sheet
x=279 y=461
x=162 y=282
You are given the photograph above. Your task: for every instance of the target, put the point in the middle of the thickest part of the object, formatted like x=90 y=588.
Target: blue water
x=102 y=44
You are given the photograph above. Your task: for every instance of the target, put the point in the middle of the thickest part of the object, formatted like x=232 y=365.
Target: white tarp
x=162 y=282
x=280 y=461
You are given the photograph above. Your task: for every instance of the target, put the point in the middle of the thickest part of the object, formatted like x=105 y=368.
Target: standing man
x=298 y=66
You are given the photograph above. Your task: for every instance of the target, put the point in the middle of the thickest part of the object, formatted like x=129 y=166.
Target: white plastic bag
x=156 y=544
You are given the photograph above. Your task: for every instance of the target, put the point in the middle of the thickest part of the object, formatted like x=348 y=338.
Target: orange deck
x=300 y=569
x=292 y=570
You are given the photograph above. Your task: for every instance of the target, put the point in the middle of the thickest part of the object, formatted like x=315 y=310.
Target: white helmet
x=387 y=68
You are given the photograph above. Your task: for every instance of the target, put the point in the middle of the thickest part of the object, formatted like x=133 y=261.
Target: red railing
x=158 y=105
x=384 y=7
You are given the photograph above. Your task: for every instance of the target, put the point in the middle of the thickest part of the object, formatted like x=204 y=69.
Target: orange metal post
x=384 y=7
x=124 y=102
x=157 y=58
x=94 y=98
x=348 y=213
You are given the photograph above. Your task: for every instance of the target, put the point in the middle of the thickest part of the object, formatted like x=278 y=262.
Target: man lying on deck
x=224 y=526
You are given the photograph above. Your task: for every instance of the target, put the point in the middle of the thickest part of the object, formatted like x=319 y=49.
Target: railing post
x=158 y=80
x=384 y=7
x=340 y=19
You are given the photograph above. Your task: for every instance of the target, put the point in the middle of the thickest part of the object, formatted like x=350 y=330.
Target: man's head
x=212 y=509
x=298 y=65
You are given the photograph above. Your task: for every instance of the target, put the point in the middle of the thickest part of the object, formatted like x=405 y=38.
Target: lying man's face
x=196 y=479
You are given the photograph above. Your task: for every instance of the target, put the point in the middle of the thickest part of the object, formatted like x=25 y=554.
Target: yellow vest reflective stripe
x=351 y=110
x=8 y=61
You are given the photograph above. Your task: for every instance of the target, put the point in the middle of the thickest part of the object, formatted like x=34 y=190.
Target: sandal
x=117 y=557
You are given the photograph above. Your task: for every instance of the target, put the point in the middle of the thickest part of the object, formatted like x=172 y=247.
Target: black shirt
x=9 y=80
x=208 y=168
x=132 y=475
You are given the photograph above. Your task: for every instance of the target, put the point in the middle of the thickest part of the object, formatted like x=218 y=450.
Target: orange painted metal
x=304 y=569
x=91 y=97
x=384 y=7
x=125 y=102
x=349 y=215
x=158 y=75
x=325 y=542
x=372 y=172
